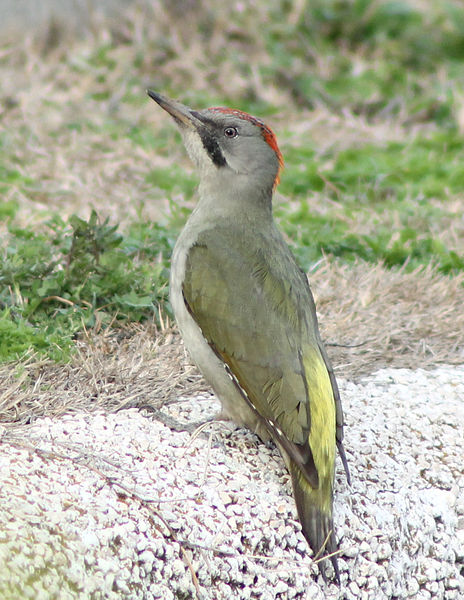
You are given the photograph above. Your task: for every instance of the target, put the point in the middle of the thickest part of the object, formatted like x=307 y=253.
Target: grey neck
x=234 y=198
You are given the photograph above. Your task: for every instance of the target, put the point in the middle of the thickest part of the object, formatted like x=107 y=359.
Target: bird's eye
x=230 y=132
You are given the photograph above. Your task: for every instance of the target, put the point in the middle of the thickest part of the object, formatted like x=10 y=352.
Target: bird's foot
x=194 y=429
x=174 y=424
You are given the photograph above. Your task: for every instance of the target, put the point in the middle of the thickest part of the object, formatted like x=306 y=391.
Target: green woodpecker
x=246 y=313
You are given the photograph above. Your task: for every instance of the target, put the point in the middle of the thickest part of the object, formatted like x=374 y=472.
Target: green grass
x=400 y=192
x=81 y=274
x=399 y=202
x=361 y=55
x=76 y=276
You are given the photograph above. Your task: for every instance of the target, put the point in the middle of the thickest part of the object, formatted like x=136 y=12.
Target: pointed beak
x=183 y=115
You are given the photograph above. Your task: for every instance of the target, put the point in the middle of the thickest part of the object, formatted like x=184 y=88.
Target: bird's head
x=228 y=145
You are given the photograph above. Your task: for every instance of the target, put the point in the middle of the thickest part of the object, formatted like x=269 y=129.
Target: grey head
x=229 y=146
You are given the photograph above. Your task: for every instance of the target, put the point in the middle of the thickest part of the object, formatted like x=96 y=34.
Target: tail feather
x=314 y=508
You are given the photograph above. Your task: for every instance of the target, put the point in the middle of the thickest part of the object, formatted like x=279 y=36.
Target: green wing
x=258 y=315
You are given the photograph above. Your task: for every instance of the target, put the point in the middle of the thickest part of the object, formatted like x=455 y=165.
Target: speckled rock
x=108 y=506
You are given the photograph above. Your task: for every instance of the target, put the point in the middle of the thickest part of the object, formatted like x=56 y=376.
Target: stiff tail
x=314 y=508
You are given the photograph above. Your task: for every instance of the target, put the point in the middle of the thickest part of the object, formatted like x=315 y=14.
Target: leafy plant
x=79 y=275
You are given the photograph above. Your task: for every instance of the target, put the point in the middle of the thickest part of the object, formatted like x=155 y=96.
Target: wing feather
x=263 y=327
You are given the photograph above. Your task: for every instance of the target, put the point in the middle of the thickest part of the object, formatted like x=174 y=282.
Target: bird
x=246 y=312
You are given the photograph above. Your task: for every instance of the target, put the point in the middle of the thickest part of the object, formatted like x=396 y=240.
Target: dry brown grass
x=383 y=317
x=63 y=137
x=401 y=319
x=135 y=367
x=391 y=318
